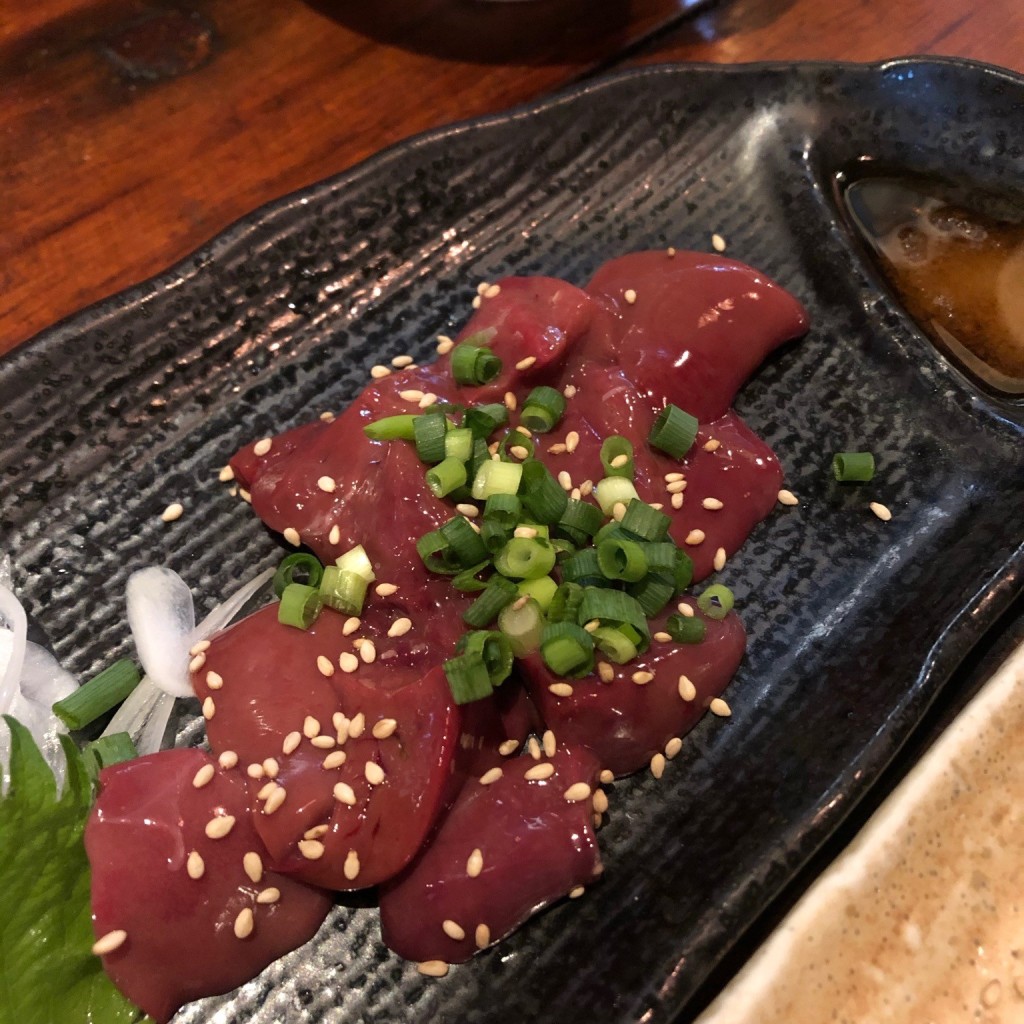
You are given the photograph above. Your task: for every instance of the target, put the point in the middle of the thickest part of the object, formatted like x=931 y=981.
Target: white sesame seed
x=335 y=759
x=453 y=930
x=275 y=800
x=490 y=776
x=519 y=451
x=565 y=480
x=673 y=747
x=686 y=688
x=605 y=672
x=677 y=500
x=384 y=728
x=694 y=537
x=368 y=652
x=674 y=477
x=348 y=662
x=572 y=439
x=619 y=460
x=575 y=494
x=712 y=504
x=266 y=790
x=524 y=532
x=492 y=291
x=220 y=826
x=352 y=623
x=658 y=765
x=323 y=741
x=268 y=895
x=685 y=609
x=311 y=849
x=196 y=663
x=291 y=535
x=607 y=776
x=587 y=488
x=600 y=801
x=385 y=589
x=520 y=602
x=524 y=431
x=209 y=708
x=618 y=511
x=525 y=364
x=642 y=678
x=510 y=400
x=713 y=445
x=410 y=395
x=465 y=509
x=576 y=892
x=110 y=942
x=630 y=296
x=291 y=742
x=340 y=723
x=401 y=362
x=676 y=486
x=444 y=345
x=557 y=448
x=374 y=773
x=271 y=767
x=226 y=475
x=244 y=923
x=227 y=759
x=788 y=498
x=400 y=627
x=327 y=417
x=357 y=725
x=533 y=748
x=560 y=689
x=569 y=391
x=662 y=637
x=482 y=287
x=254 y=771
x=720 y=707
x=576 y=793
x=592 y=626
x=508 y=747
x=475 y=864
x=881 y=511
x=195 y=866
x=203 y=776
x=428 y=400
x=539 y=772
x=199 y=646
x=379 y=372
x=326 y=484
x=334 y=537
x=719 y=559
x=549 y=744
x=214 y=680
x=438 y=968
x=325 y=665
x=244 y=495
x=263 y=446
x=345 y=794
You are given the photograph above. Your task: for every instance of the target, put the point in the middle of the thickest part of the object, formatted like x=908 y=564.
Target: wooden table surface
x=134 y=130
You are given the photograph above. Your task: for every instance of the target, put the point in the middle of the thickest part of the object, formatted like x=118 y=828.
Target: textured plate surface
x=854 y=624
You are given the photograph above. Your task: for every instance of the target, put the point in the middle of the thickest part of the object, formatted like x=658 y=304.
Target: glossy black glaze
x=855 y=625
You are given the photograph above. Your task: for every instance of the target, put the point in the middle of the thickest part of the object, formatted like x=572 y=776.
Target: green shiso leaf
x=47 y=971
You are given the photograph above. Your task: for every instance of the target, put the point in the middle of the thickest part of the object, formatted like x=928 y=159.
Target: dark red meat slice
x=184 y=942
x=623 y=723
x=535 y=846
x=283 y=705
x=698 y=327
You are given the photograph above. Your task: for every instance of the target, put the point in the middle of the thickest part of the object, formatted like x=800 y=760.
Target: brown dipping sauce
x=959 y=271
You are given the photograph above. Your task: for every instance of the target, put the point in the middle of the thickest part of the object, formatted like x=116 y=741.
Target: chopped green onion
x=612 y=531
x=300 y=563
x=523 y=624
x=496 y=478
x=853 y=467
x=583 y=567
x=467 y=581
x=484 y=610
x=567 y=649
x=495 y=534
x=543 y=409
x=645 y=522
x=356 y=560
x=474 y=365
x=300 y=605
x=612 y=608
x=563 y=548
x=542 y=590
x=107 y=750
x=661 y=556
x=525 y=558
x=653 y=592
x=617 y=456
x=716 y=602
x=429 y=431
x=468 y=678
x=466 y=546
x=613 y=643
x=446 y=476
x=674 y=431
x=391 y=428
x=101 y=693
x=477 y=458
x=565 y=603
x=615 y=489
x=542 y=495
x=495 y=650
x=437 y=555
x=483 y=420
x=458 y=444
x=683 y=571
x=579 y=521
x=344 y=590
x=622 y=560
x=685 y=629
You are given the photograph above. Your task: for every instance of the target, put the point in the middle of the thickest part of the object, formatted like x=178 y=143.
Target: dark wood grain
x=134 y=130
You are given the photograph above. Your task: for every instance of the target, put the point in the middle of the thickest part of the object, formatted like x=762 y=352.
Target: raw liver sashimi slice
x=183 y=932
x=623 y=723
x=535 y=847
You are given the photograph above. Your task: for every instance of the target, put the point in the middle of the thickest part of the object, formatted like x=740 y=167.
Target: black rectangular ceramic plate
x=855 y=624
